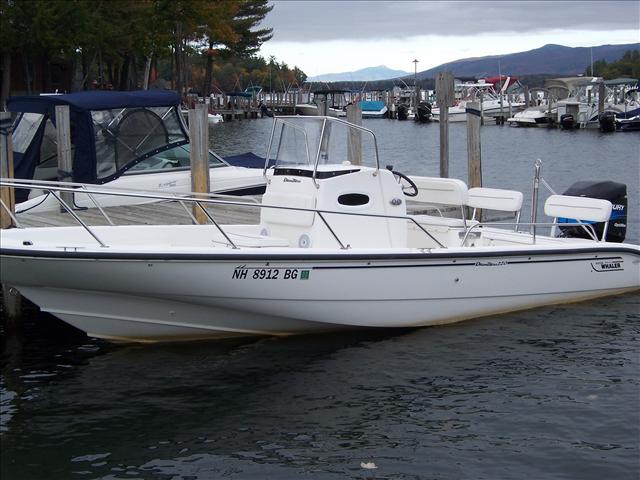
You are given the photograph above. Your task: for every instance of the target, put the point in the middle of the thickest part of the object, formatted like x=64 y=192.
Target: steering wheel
x=409 y=188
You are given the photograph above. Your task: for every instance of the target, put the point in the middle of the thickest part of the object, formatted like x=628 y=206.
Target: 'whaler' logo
x=607 y=266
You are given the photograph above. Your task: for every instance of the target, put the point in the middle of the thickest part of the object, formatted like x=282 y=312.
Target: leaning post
x=65 y=161
x=354 y=115
x=445 y=99
x=199 y=156
x=11 y=298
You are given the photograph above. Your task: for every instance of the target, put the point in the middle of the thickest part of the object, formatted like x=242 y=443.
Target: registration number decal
x=244 y=273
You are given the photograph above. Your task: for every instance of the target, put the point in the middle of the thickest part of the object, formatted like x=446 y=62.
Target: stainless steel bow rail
x=53 y=188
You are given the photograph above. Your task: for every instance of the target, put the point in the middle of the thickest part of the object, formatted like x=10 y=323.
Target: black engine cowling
x=616 y=193
x=568 y=121
x=607 y=121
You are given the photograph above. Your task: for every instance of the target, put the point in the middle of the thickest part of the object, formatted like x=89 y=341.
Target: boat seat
x=440 y=191
x=583 y=208
x=495 y=199
x=579 y=208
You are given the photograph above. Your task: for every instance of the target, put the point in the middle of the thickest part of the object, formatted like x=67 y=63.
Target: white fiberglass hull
x=490 y=109
x=311 y=109
x=174 y=292
x=224 y=179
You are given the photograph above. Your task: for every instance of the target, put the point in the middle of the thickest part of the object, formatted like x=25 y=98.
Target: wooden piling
x=199 y=143
x=445 y=99
x=11 y=298
x=527 y=97
x=354 y=115
x=6 y=169
x=65 y=160
x=601 y=95
x=474 y=152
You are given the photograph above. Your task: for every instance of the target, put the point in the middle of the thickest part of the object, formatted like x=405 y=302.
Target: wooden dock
x=158 y=213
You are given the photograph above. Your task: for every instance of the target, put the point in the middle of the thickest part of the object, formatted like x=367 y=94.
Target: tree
x=627 y=66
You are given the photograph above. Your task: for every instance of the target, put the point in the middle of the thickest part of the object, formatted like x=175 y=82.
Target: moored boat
x=335 y=247
x=132 y=140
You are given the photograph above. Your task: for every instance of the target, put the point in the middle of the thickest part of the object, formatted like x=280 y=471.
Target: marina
x=543 y=359
x=265 y=239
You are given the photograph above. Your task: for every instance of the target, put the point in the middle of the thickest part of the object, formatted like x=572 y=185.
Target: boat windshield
x=126 y=135
x=176 y=157
x=311 y=143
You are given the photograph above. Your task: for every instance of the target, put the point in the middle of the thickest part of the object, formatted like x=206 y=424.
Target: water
x=547 y=393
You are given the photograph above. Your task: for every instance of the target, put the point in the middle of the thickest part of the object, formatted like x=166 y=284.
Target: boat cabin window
x=123 y=135
x=27 y=126
x=300 y=142
x=47 y=164
x=25 y=129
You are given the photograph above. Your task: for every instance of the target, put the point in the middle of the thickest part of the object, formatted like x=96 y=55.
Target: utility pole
x=415 y=83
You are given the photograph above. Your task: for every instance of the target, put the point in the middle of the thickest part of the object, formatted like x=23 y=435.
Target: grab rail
x=589 y=228
x=190 y=197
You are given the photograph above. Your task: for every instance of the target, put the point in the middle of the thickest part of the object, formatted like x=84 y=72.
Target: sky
x=333 y=36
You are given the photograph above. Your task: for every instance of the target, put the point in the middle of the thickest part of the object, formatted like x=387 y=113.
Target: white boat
x=335 y=247
x=335 y=101
x=494 y=102
x=537 y=116
x=373 y=108
x=132 y=140
x=214 y=118
x=578 y=102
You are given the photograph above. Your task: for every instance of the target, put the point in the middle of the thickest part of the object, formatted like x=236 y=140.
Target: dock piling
x=354 y=115
x=474 y=152
x=6 y=169
x=199 y=156
x=65 y=160
x=11 y=298
x=445 y=99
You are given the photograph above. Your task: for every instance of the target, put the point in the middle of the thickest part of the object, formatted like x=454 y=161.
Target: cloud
x=312 y=20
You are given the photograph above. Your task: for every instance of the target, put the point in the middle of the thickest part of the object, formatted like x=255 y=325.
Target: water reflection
x=520 y=395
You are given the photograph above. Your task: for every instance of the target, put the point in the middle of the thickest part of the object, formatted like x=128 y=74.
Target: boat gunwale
x=275 y=255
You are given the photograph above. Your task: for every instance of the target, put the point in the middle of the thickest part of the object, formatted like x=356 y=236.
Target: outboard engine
x=423 y=112
x=607 y=121
x=264 y=110
x=616 y=193
x=403 y=111
x=568 y=121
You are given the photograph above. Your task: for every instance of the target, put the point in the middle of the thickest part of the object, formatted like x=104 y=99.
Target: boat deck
x=161 y=213
x=158 y=213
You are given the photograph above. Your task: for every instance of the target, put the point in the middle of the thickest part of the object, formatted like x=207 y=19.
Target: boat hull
x=158 y=297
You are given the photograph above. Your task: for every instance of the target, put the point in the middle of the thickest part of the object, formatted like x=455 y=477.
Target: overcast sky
x=338 y=36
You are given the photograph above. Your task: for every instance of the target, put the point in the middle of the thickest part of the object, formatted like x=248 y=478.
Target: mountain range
x=370 y=73
x=549 y=59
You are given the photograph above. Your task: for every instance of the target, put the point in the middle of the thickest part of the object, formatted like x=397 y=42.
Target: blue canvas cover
x=97 y=118
x=371 y=105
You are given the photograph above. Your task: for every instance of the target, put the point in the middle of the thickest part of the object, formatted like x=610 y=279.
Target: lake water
x=548 y=393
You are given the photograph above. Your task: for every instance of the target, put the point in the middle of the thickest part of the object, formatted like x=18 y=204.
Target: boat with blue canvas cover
x=134 y=139
x=373 y=108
